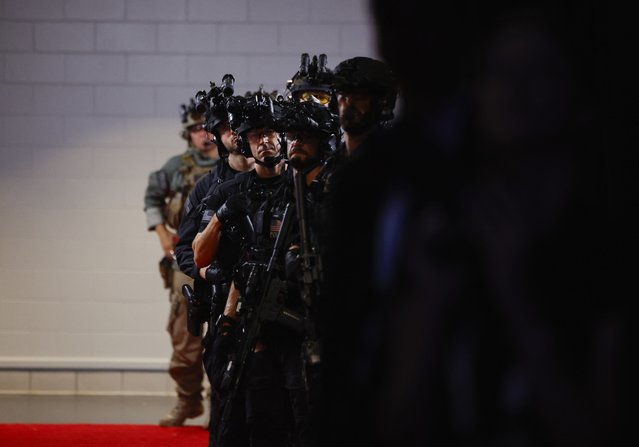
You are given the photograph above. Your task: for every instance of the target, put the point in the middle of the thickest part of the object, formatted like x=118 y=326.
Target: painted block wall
x=89 y=99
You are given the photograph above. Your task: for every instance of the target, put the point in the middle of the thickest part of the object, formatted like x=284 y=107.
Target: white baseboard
x=83 y=363
x=86 y=393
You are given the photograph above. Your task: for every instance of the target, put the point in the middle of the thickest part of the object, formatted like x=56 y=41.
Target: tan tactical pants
x=185 y=366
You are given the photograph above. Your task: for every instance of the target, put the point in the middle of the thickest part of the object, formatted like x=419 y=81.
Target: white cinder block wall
x=89 y=98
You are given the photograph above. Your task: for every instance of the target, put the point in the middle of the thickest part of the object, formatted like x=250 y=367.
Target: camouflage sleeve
x=157 y=190
x=198 y=192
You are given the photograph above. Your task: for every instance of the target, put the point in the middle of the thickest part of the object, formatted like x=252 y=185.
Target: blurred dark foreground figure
x=488 y=308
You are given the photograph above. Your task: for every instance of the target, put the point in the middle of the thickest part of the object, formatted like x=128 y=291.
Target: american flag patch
x=208 y=216
x=276 y=224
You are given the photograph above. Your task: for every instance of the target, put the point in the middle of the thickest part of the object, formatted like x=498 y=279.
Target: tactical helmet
x=235 y=110
x=311 y=116
x=371 y=75
x=213 y=106
x=190 y=116
x=217 y=101
x=307 y=116
x=216 y=115
x=313 y=76
x=259 y=109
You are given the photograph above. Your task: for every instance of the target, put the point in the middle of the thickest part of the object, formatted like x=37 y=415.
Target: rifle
x=269 y=308
x=311 y=277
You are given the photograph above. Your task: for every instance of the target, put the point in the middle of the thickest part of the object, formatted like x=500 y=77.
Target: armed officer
x=243 y=221
x=310 y=129
x=366 y=95
x=215 y=104
x=313 y=82
x=164 y=200
x=211 y=290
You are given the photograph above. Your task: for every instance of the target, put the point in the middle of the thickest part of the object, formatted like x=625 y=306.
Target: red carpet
x=100 y=435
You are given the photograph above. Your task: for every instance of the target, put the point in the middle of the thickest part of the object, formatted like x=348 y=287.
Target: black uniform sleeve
x=190 y=224
x=212 y=203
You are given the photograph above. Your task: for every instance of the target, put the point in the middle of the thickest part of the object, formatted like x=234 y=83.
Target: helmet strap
x=270 y=162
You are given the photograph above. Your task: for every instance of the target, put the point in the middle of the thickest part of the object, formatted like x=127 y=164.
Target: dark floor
x=87 y=409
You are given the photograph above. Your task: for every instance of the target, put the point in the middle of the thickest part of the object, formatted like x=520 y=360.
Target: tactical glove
x=233 y=210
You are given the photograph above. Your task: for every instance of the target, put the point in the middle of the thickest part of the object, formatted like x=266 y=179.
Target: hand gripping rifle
x=311 y=277
x=269 y=308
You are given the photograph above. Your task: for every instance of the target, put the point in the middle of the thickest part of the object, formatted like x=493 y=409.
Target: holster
x=166 y=271
x=173 y=209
